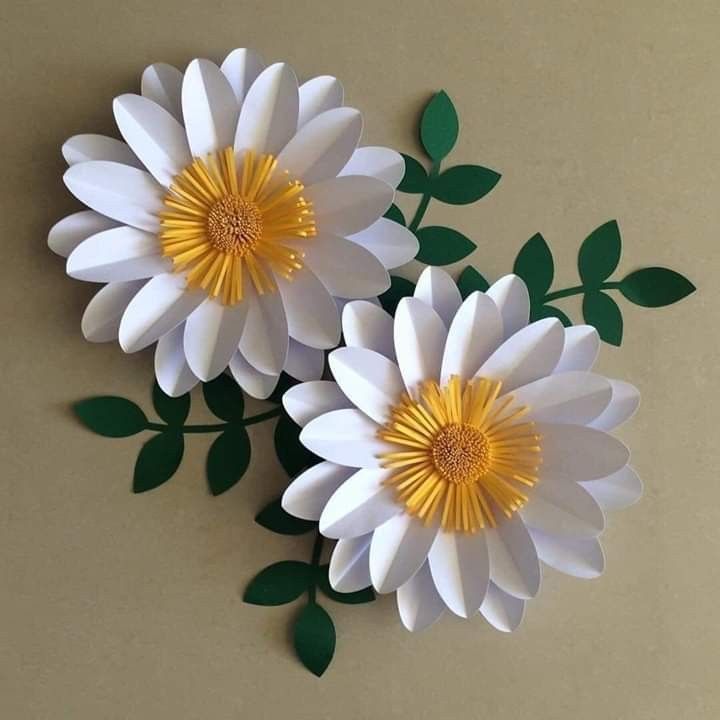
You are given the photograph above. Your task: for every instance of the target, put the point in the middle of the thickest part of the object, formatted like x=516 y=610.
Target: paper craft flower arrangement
x=459 y=439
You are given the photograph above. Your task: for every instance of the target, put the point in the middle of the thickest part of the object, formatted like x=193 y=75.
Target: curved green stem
x=218 y=427
x=579 y=290
x=315 y=561
x=425 y=200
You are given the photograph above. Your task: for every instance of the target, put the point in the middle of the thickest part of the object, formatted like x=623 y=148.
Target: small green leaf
x=442 y=245
x=284 y=384
x=359 y=597
x=439 y=126
x=602 y=311
x=415 y=180
x=279 y=583
x=227 y=459
x=111 y=416
x=534 y=264
x=549 y=311
x=314 y=638
x=224 y=398
x=464 y=184
x=399 y=288
x=274 y=518
x=600 y=254
x=394 y=213
x=471 y=280
x=291 y=453
x=158 y=460
x=173 y=410
x=655 y=287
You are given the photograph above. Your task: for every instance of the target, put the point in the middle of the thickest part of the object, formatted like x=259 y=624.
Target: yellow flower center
x=461 y=454
x=230 y=218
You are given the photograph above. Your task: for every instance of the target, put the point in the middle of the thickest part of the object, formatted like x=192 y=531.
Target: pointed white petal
x=623 y=405
x=264 y=342
x=171 y=370
x=309 y=400
x=309 y=492
x=66 y=234
x=318 y=95
x=254 y=383
x=418 y=601
x=511 y=296
x=438 y=290
x=162 y=83
x=349 y=569
x=83 y=148
x=391 y=243
x=369 y=326
x=101 y=319
x=241 y=67
x=514 y=565
x=617 y=491
x=581 y=348
x=304 y=363
x=379 y=162
x=579 y=557
x=504 y=612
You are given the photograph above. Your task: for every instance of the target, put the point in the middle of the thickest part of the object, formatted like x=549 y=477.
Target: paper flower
x=236 y=212
x=461 y=446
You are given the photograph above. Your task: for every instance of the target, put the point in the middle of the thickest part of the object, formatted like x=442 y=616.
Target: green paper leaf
x=415 y=179
x=549 y=311
x=439 y=126
x=314 y=638
x=442 y=245
x=111 y=416
x=655 y=287
x=293 y=456
x=227 y=459
x=224 y=398
x=463 y=184
x=274 y=518
x=601 y=311
x=284 y=384
x=534 y=264
x=279 y=583
x=173 y=410
x=394 y=213
x=399 y=288
x=471 y=280
x=600 y=254
x=359 y=597
x=158 y=460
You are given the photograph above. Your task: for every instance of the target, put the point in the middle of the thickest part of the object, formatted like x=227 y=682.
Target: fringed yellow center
x=464 y=454
x=227 y=217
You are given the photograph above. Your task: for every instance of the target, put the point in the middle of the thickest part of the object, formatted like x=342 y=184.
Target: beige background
x=121 y=606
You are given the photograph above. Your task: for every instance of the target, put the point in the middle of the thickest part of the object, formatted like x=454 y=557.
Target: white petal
x=514 y=565
x=391 y=243
x=346 y=205
x=121 y=253
x=264 y=342
x=118 y=191
x=254 y=383
x=101 y=319
x=318 y=95
x=162 y=304
x=511 y=296
x=83 y=148
x=475 y=333
x=359 y=505
x=154 y=135
x=438 y=290
x=171 y=370
x=371 y=381
x=241 y=67
x=461 y=570
x=309 y=400
x=344 y=268
x=209 y=108
x=504 y=612
x=580 y=557
x=581 y=348
x=573 y=397
x=304 y=363
x=309 y=492
x=162 y=83
x=529 y=354
x=66 y=234
x=349 y=569
x=574 y=452
x=617 y=491
x=562 y=508
x=347 y=437
x=369 y=326
x=418 y=601
x=623 y=405
x=419 y=341
x=379 y=162
x=321 y=148
x=312 y=316
x=268 y=117
x=212 y=335
x=399 y=547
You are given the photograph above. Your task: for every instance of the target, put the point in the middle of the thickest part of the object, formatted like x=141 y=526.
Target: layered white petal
x=264 y=342
x=252 y=381
x=438 y=290
x=623 y=405
x=616 y=491
x=391 y=243
x=66 y=234
x=171 y=370
x=511 y=296
x=580 y=557
x=83 y=148
x=309 y=400
x=378 y=162
x=304 y=363
x=101 y=319
x=349 y=569
x=241 y=67
x=514 y=565
x=504 y=612
x=418 y=601
x=309 y=492
x=581 y=348
x=162 y=83
x=318 y=95
x=366 y=325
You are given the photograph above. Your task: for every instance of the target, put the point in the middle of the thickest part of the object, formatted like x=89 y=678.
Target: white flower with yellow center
x=233 y=222
x=462 y=446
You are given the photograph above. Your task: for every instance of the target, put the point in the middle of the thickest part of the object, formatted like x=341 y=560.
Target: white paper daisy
x=236 y=212
x=462 y=446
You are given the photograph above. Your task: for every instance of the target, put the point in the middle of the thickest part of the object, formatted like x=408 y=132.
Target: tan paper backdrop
x=119 y=606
